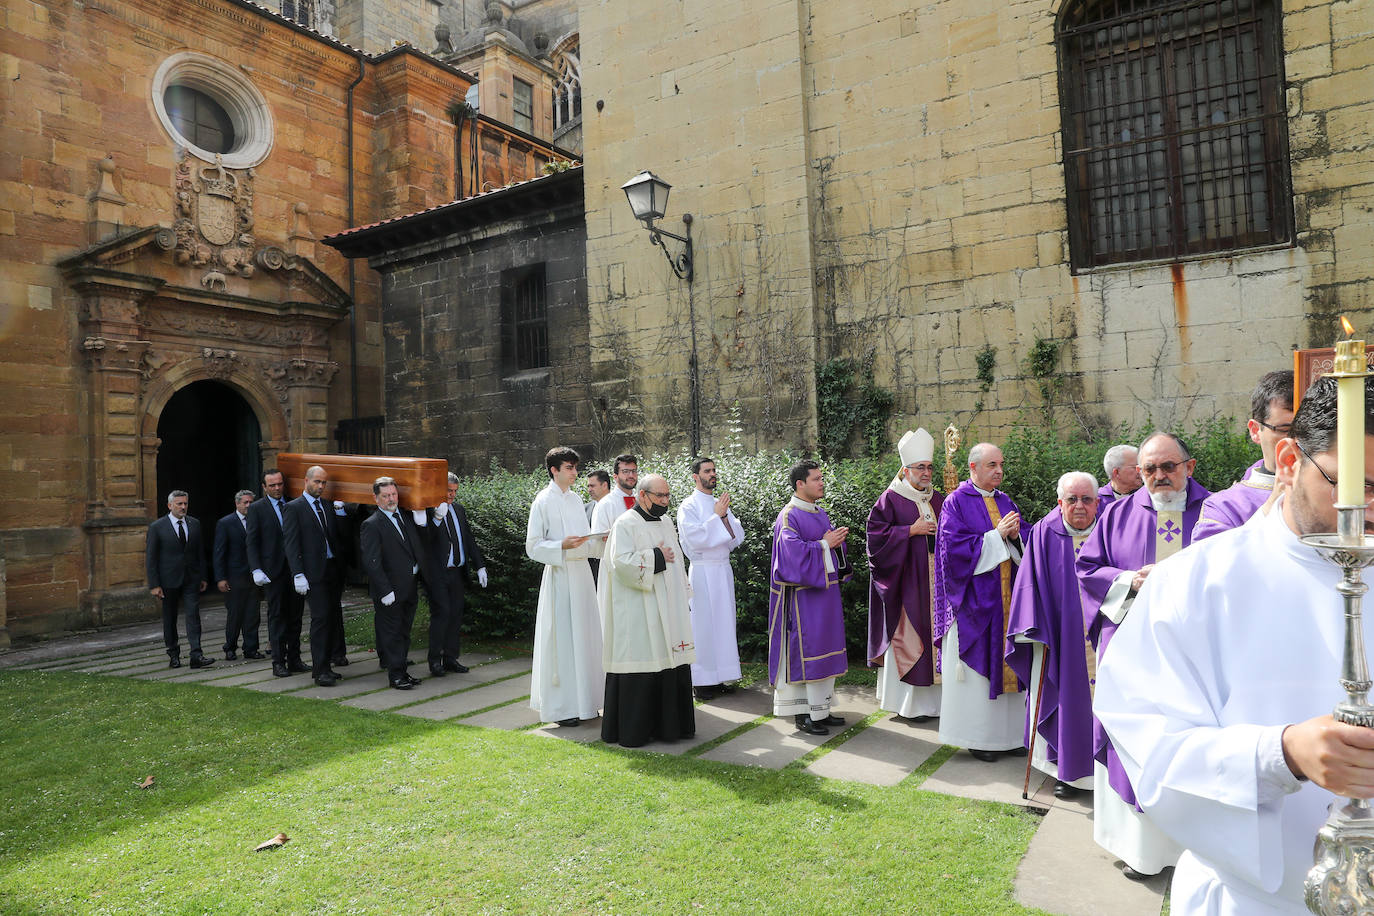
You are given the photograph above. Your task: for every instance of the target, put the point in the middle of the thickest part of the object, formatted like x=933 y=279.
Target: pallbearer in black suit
x=393 y=557
x=313 y=542
x=453 y=554
x=267 y=559
x=176 y=574
x=234 y=578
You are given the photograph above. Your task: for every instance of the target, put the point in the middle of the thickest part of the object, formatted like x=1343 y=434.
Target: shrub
x=498 y=510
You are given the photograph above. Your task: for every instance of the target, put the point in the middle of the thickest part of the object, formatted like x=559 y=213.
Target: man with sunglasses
x=1218 y=687
x=1271 y=419
x=1131 y=536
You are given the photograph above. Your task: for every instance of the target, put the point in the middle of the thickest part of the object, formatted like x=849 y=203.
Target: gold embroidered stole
x=1089 y=652
x=1168 y=534
x=1008 y=676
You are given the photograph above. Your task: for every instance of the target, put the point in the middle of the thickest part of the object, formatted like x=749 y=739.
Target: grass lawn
x=392 y=815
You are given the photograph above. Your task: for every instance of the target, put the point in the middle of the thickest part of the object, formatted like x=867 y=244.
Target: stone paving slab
x=246 y=678
x=128 y=669
x=586 y=733
x=511 y=717
x=883 y=754
x=103 y=660
x=773 y=744
x=281 y=684
x=362 y=682
x=1062 y=846
x=439 y=686
x=999 y=780
x=712 y=721
x=461 y=704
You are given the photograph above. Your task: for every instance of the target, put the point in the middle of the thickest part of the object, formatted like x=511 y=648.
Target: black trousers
x=285 y=611
x=243 y=613
x=393 y=632
x=326 y=618
x=446 y=615
x=174 y=600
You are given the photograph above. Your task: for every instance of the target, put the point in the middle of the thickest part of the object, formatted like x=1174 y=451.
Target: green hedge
x=498 y=508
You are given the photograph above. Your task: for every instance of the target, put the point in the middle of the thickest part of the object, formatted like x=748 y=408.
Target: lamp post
x=648 y=196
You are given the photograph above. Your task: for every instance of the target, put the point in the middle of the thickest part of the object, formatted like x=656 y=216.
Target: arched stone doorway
x=210 y=447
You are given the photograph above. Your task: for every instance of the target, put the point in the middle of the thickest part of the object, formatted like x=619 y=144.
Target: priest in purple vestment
x=805 y=615
x=977 y=550
x=1132 y=535
x=1123 y=477
x=1046 y=646
x=1271 y=419
x=901 y=544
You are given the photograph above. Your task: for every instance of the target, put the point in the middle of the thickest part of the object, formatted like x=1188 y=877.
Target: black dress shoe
x=726 y=688
x=437 y=671
x=810 y=726
x=917 y=720
x=200 y=661
x=230 y=655
x=296 y=666
x=1016 y=752
x=833 y=720
x=456 y=667
x=706 y=694
x=401 y=683
x=174 y=661
x=339 y=661
x=985 y=756
x=570 y=723
x=1064 y=790
x=280 y=670
x=1133 y=874
x=328 y=679
x=254 y=655
x=414 y=681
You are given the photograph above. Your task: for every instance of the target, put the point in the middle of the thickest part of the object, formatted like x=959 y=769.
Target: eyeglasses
x=653 y=495
x=1085 y=500
x=1168 y=467
x=1368 y=490
x=1284 y=430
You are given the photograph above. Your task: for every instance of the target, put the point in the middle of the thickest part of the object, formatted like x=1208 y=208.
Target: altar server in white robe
x=1218 y=688
x=625 y=475
x=646 y=628
x=568 y=682
x=709 y=532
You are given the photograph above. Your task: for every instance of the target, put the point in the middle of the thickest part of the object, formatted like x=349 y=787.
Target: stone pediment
x=261 y=279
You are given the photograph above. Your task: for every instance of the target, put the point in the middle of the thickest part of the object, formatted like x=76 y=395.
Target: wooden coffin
x=422 y=482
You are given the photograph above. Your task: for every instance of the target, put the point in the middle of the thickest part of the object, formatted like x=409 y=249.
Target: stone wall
x=887 y=180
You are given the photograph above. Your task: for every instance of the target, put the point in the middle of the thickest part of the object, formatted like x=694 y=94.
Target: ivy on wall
x=851 y=405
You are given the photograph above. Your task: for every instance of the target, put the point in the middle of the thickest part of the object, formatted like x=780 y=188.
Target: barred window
x=524 y=319
x=1175 y=139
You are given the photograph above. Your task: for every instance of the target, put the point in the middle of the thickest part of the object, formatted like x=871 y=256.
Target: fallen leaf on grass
x=147 y=783
x=276 y=841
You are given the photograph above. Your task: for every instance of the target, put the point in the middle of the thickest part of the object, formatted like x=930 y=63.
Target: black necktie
x=319 y=512
x=405 y=541
x=181 y=533
x=453 y=536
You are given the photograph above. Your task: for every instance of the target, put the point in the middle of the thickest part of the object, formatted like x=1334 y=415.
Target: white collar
x=981 y=491
x=798 y=503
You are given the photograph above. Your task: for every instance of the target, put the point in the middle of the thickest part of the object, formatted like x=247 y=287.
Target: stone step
x=510 y=717
x=1063 y=845
x=461 y=704
x=883 y=754
x=432 y=687
x=999 y=780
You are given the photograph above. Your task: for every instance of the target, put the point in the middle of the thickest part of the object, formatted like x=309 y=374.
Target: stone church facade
x=167 y=316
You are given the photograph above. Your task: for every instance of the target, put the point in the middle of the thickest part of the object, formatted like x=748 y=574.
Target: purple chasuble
x=1233 y=506
x=974 y=601
x=1106 y=494
x=1047 y=607
x=1123 y=540
x=899 y=589
x=804 y=600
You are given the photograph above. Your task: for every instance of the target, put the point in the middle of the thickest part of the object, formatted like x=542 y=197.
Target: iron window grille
x=524 y=319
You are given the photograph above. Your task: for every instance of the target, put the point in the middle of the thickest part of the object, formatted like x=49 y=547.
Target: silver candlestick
x=1341 y=883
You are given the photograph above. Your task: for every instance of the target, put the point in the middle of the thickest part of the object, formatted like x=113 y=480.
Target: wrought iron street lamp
x=648 y=196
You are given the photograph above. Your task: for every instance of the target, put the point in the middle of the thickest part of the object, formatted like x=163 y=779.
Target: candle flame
x=1349 y=328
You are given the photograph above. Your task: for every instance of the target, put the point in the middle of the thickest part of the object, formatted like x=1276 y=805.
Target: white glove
x=302 y=584
x=482 y=576
x=419 y=516
x=338 y=505
x=388 y=599
x=260 y=578
x=441 y=511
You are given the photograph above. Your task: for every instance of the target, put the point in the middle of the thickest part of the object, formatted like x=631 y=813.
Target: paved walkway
x=878 y=749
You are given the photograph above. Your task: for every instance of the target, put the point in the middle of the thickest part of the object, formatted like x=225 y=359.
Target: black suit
x=241 y=602
x=394 y=564
x=316 y=553
x=265 y=543
x=178 y=569
x=453 y=554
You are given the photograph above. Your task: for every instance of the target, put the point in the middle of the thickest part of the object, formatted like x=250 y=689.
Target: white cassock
x=1228 y=642
x=567 y=680
x=707 y=544
x=608 y=508
x=645 y=623
x=967 y=717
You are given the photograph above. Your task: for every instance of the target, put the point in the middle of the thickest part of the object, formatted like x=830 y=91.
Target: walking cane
x=1035 y=721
